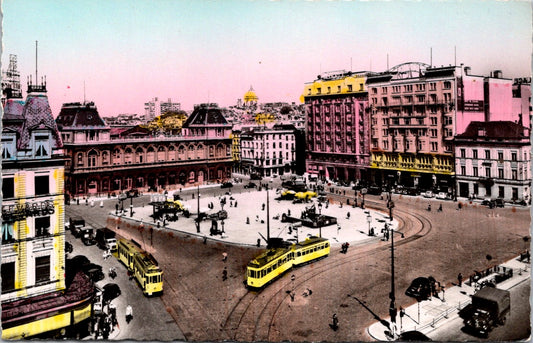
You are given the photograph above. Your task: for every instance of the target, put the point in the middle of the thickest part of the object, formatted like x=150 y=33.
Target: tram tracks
x=252 y=318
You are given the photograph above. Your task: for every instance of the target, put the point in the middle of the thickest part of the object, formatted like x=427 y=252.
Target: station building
x=101 y=160
x=337 y=126
x=493 y=160
x=36 y=296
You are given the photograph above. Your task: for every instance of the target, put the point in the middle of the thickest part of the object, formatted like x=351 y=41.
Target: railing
x=443 y=315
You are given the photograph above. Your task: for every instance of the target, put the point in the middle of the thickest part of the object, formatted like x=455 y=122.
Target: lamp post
x=392 y=308
x=222 y=224
x=390 y=206
x=198 y=212
x=363 y=191
x=131 y=204
x=369 y=220
x=320 y=220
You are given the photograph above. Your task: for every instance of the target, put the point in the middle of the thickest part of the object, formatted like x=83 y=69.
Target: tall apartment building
x=337 y=126
x=156 y=107
x=493 y=160
x=99 y=161
x=36 y=295
x=416 y=110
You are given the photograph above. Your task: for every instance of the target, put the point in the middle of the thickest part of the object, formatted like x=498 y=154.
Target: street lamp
x=369 y=220
x=392 y=307
x=390 y=206
x=198 y=213
x=363 y=191
x=131 y=204
x=222 y=224
x=319 y=219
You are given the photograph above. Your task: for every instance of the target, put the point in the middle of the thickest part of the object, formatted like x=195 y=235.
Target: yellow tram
x=271 y=264
x=143 y=266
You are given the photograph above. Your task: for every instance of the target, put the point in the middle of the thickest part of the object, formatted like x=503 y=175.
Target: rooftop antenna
x=36 y=49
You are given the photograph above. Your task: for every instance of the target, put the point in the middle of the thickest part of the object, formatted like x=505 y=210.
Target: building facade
x=493 y=160
x=100 y=163
x=269 y=151
x=156 y=107
x=522 y=100
x=337 y=126
x=415 y=112
x=36 y=296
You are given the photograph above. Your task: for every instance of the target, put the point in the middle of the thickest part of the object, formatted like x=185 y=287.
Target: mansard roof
x=37 y=115
x=77 y=115
x=493 y=130
x=206 y=115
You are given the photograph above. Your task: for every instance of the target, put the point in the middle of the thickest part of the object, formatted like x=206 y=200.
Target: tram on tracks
x=143 y=266
x=274 y=262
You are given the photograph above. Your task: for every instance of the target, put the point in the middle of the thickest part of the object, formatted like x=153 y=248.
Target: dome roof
x=250 y=95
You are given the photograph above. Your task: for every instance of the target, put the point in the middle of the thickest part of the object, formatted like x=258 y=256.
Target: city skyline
x=128 y=52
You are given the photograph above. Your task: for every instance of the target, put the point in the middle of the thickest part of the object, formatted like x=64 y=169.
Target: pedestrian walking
x=440 y=208
x=335 y=322
x=429 y=207
x=129 y=314
x=339 y=227
x=460 y=279
x=225 y=274
x=224 y=256
x=235 y=205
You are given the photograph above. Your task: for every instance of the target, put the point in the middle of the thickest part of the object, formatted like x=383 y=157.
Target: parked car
x=250 y=185
x=375 y=190
x=226 y=185
x=499 y=202
x=419 y=289
x=442 y=196
x=411 y=191
x=93 y=271
x=111 y=291
x=429 y=194
x=413 y=336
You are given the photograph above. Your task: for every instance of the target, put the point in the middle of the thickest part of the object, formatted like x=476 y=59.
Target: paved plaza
x=247 y=217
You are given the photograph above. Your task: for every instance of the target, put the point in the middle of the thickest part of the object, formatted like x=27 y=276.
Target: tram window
x=327 y=245
x=298 y=254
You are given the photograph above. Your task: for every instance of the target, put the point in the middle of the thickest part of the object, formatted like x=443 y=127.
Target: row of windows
x=419 y=87
x=41 y=272
x=41 y=186
x=501 y=172
x=42 y=229
x=514 y=155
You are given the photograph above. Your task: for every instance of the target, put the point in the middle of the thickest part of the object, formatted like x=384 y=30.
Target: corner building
x=36 y=296
x=337 y=126
x=416 y=110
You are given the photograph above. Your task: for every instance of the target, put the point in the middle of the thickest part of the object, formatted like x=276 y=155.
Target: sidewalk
x=426 y=315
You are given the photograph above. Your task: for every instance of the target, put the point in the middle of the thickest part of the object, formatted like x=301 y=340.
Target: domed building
x=250 y=98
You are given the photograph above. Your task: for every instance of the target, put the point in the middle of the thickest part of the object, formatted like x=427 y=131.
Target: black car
x=374 y=190
x=226 y=185
x=110 y=292
x=250 y=185
x=93 y=271
x=420 y=289
x=413 y=336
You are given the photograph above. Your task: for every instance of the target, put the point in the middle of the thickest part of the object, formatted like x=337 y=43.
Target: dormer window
x=42 y=145
x=8 y=146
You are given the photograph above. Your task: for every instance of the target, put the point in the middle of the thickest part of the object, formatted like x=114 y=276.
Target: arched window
x=139 y=155
x=181 y=152
x=80 y=159
x=220 y=151
x=200 y=153
x=190 y=155
x=171 y=153
x=92 y=158
x=150 y=155
x=105 y=158
x=117 y=156
x=128 y=156
x=161 y=154
x=191 y=177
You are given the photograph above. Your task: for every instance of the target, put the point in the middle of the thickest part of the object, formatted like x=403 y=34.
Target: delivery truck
x=489 y=309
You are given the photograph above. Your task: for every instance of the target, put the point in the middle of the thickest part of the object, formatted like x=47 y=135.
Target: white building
x=269 y=150
x=156 y=107
x=492 y=160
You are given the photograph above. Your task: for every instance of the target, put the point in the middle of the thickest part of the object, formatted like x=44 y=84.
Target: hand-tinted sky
x=193 y=51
